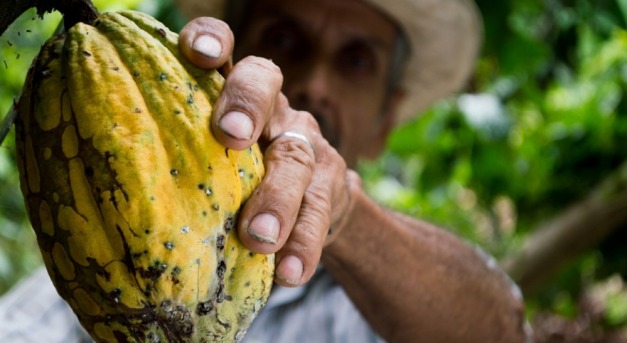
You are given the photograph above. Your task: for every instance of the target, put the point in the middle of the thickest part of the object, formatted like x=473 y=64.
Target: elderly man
x=320 y=84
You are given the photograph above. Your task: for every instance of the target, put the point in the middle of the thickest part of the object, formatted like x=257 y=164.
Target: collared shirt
x=319 y=312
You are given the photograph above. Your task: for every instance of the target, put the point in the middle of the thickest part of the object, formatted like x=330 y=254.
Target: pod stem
x=73 y=11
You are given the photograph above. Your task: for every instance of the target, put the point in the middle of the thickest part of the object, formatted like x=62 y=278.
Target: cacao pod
x=132 y=199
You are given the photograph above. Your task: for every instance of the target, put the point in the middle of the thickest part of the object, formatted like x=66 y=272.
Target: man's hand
x=306 y=188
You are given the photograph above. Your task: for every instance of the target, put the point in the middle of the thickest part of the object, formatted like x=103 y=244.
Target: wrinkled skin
x=409 y=279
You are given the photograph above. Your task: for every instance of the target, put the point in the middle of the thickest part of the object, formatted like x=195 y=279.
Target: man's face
x=335 y=56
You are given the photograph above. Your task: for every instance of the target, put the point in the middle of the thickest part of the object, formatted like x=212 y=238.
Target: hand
x=305 y=191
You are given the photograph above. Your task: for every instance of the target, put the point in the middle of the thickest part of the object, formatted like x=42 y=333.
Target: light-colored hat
x=445 y=36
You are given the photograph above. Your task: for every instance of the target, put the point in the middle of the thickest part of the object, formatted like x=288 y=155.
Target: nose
x=309 y=88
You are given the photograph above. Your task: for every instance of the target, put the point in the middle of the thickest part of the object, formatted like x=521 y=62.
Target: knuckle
x=293 y=151
x=263 y=67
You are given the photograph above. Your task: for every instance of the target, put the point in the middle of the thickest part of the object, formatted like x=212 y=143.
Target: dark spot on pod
x=251 y=254
x=89 y=171
x=221 y=269
x=229 y=224
x=163 y=76
x=201 y=186
x=226 y=152
x=195 y=87
x=137 y=110
x=86 y=53
x=168 y=245
x=153 y=272
x=116 y=68
x=115 y=295
x=161 y=32
x=147 y=232
x=220 y=242
x=176 y=270
x=136 y=74
x=178 y=321
x=108 y=155
x=220 y=293
x=204 y=213
x=148 y=290
x=177 y=112
x=216 y=207
x=204 y=308
x=247 y=283
x=137 y=255
x=174 y=172
x=228 y=297
x=120 y=336
x=240 y=172
x=190 y=99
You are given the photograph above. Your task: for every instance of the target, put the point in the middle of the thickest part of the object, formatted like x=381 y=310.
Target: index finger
x=206 y=42
x=250 y=97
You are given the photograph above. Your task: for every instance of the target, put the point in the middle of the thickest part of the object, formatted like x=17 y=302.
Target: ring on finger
x=297 y=135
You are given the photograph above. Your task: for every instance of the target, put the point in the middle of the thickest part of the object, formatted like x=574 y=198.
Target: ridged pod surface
x=132 y=199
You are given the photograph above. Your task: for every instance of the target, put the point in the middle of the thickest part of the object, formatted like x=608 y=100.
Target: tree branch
x=579 y=228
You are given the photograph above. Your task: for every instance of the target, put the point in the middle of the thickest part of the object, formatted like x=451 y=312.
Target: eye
x=358 y=59
x=281 y=40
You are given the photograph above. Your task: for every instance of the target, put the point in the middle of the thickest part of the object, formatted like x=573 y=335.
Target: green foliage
x=544 y=121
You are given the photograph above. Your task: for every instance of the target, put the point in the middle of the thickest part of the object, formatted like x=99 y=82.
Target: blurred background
x=529 y=162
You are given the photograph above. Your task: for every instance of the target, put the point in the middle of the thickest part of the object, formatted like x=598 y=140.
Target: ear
x=386 y=123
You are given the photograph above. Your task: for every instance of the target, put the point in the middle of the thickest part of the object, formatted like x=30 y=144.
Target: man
x=348 y=270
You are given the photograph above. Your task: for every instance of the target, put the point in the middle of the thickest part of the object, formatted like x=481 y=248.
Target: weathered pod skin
x=133 y=201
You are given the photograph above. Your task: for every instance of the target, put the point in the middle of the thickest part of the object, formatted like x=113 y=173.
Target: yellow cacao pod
x=132 y=199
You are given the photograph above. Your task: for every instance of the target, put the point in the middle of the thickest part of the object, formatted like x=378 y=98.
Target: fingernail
x=237 y=125
x=265 y=228
x=208 y=46
x=290 y=269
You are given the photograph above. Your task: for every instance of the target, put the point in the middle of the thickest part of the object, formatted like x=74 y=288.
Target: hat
x=444 y=35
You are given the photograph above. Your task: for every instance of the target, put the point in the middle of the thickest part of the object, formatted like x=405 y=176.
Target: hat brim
x=444 y=35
